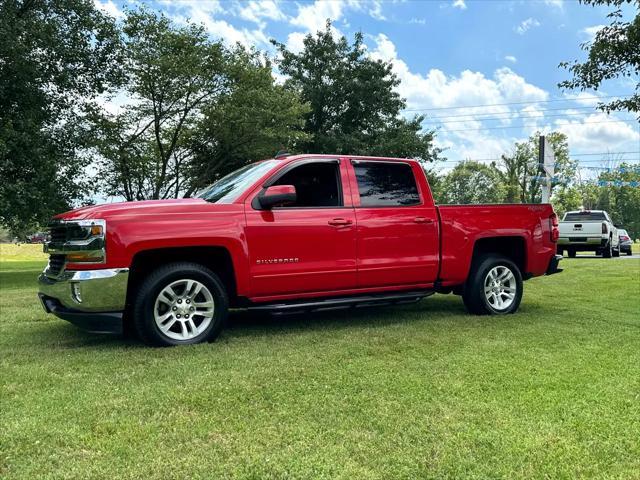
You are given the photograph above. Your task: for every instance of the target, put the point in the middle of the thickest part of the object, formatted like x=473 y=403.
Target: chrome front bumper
x=103 y=290
x=91 y=299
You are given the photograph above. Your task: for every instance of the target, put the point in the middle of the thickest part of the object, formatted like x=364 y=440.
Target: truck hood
x=144 y=208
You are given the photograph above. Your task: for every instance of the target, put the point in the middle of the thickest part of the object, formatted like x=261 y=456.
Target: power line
x=531 y=102
x=525 y=126
x=475 y=115
x=514 y=116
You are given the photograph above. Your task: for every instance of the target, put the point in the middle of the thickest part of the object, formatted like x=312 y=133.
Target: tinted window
x=584 y=216
x=317 y=184
x=228 y=188
x=386 y=184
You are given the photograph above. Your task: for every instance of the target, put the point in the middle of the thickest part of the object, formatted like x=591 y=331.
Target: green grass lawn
x=420 y=391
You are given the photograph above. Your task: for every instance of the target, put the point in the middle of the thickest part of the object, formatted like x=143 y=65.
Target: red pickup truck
x=294 y=234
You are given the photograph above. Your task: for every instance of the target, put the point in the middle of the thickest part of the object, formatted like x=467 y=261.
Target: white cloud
x=313 y=17
x=590 y=32
x=460 y=130
x=295 y=42
x=205 y=13
x=418 y=21
x=511 y=58
x=459 y=4
x=376 y=10
x=109 y=8
x=555 y=3
x=597 y=132
x=258 y=10
x=527 y=25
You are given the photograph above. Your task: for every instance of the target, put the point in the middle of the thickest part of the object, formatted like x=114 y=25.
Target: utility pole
x=546 y=164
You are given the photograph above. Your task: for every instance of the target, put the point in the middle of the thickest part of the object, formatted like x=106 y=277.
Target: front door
x=310 y=246
x=397 y=231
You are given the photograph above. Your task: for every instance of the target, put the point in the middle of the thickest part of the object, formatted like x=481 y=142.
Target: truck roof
x=340 y=155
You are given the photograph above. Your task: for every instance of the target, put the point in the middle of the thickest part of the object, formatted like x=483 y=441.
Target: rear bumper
x=579 y=241
x=554 y=264
x=91 y=299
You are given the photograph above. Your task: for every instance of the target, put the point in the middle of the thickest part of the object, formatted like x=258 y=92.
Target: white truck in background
x=590 y=231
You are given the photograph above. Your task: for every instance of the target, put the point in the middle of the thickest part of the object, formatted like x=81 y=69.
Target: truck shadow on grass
x=244 y=324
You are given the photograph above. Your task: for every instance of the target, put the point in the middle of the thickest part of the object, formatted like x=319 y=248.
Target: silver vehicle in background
x=588 y=231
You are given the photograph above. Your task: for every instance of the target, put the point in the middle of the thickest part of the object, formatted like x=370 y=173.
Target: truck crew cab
x=300 y=233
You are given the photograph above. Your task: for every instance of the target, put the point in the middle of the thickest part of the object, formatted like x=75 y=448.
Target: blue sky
x=498 y=60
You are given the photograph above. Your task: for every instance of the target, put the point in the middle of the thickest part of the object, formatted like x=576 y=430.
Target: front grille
x=58 y=233
x=56 y=264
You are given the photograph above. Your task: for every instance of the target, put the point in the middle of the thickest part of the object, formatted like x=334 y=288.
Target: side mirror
x=277 y=195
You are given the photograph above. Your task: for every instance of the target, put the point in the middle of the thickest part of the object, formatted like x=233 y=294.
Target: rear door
x=397 y=230
x=307 y=247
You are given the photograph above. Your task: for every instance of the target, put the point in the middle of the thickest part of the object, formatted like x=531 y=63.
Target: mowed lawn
x=419 y=391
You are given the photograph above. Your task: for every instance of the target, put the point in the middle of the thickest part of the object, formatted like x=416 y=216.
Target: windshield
x=228 y=188
x=584 y=216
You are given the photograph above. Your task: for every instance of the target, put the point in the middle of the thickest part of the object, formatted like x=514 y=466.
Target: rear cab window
x=585 y=217
x=386 y=184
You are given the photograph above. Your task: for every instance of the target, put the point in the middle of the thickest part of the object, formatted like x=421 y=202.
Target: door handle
x=340 y=222
x=423 y=220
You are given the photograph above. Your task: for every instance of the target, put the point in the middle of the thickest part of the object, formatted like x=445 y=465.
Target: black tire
x=572 y=253
x=474 y=297
x=147 y=294
x=629 y=253
x=560 y=251
x=616 y=252
x=607 y=251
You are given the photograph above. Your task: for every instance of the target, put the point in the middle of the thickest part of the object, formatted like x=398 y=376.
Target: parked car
x=588 y=230
x=295 y=234
x=38 y=237
x=625 y=242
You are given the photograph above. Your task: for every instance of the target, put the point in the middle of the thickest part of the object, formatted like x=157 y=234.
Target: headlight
x=80 y=241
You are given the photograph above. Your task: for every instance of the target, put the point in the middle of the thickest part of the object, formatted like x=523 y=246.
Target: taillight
x=624 y=238
x=555 y=232
x=604 y=228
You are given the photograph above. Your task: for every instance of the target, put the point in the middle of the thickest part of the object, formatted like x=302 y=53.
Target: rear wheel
x=616 y=252
x=629 y=253
x=494 y=286
x=180 y=304
x=607 y=251
x=572 y=253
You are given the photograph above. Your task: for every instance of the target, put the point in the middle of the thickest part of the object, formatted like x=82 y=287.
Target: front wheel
x=629 y=253
x=494 y=286
x=180 y=304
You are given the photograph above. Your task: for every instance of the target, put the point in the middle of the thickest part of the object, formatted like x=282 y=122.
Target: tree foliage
x=613 y=53
x=197 y=110
x=56 y=56
x=472 y=182
x=171 y=74
x=354 y=105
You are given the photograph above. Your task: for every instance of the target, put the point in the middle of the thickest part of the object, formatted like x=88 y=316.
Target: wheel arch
x=512 y=247
x=217 y=259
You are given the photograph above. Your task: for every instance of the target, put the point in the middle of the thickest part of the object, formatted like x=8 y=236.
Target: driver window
x=317 y=184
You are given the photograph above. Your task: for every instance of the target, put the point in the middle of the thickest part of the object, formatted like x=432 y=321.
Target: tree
x=56 y=57
x=613 y=53
x=354 y=107
x=171 y=73
x=255 y=119
x=519 y=170
x=472 y=182
x=622 y=201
